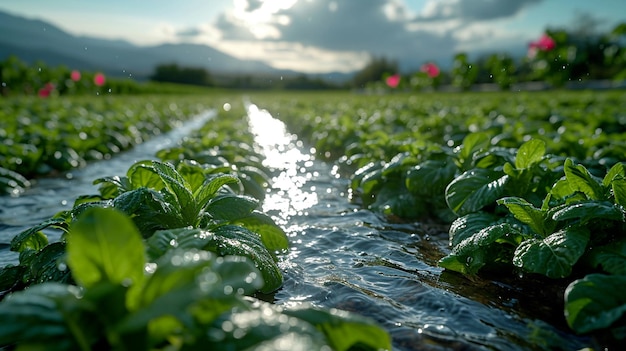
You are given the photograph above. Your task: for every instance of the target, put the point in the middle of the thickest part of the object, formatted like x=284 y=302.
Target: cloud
x=189 y=32
x=349 y=28
x=473 y=10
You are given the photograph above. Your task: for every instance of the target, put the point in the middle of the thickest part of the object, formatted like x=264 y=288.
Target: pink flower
x=75 y=75
x=544 y=43
x=430 y=69
x=99 y=79
x=45 y=91
x=393 y=81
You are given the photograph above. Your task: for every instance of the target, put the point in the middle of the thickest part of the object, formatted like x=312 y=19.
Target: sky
x=316 y=36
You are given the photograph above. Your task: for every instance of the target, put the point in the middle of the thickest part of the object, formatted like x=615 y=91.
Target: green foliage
x=184 y=75
x=528 y=189
x=595 y=302
x=572 y=230
x=185 y=299
x=41 y=137
x=374 y=71
x=158 y=197
x=502 y=70
x=464 y=73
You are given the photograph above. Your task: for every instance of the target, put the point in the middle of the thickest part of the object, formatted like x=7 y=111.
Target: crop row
x=530 y=183
x=40 y=137
x=168 y=256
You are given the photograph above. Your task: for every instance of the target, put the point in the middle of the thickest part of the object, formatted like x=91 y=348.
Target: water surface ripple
x=349 y=258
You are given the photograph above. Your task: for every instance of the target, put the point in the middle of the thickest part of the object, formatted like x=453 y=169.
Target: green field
x=526 y=183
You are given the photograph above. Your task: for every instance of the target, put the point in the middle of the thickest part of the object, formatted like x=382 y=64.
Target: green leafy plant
x=575 y=229
x=159 y=198
x=184 y=299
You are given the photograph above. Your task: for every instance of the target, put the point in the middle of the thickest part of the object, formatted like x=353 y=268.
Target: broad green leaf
x=10 y=277
x=561 y=189
x=263 y=331
x=104 y=245
x=184 y=278
x=468 y=225
x=205 y=193
x=618 y=185
x=526 y=213
x=235 y=240
x=149 y=210
x=472 y=143
x=192 y=172
x=595 y=302
x=590 y=210
x=393 y=199
x=180 y=189
x=474 y=190
x=111 y=187
x=555 y=255
x=396 y=165
x=344 y=330
x=362 y=172
x=371 y=181
x=231 y=207
x=273 y=237
x=32 y=237
x=46 y=313
x=49 y=265
x=430 y=177
x=611 y=257
x=530 y=153
x=579 y=179
x=36 y=242
x=617 y=171
x=251 y=187
x=181 y=238
x=143 y=174
x=474 y=252
x=168 y=170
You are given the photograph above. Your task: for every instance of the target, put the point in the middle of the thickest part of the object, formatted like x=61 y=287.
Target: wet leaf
x=595 y=302
x=555 y=255
x=468 y=225
x=231 y=207
x=530 y=153
x=476 y=251
x=589 y=210
x=344 y=330
x=431 y=177
x=528 y=214
x=45 y=313
x=235 y=240
x=104 y=245
x=273 y=237
x=32 y=237
x=475 y=189
x=579 y=179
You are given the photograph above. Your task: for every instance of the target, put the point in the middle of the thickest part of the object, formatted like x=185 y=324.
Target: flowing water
x=51 y=195
x=346 y=257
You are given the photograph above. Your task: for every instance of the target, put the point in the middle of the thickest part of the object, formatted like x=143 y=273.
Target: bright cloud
x=333 y=35
x=473 y=10
x=327 y=34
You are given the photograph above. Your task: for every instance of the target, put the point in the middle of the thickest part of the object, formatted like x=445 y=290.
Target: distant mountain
x=33 y=40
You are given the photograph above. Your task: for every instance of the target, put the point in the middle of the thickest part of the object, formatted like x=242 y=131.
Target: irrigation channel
x=346 y=257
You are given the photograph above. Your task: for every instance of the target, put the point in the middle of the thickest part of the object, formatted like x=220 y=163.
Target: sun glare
x=263 y=19
x=282 y=153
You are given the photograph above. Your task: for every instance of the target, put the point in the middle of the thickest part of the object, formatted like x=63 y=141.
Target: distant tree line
x=172 y=73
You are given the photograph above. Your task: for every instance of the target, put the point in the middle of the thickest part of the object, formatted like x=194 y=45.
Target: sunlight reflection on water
x=346 y=257
x=281 y=151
